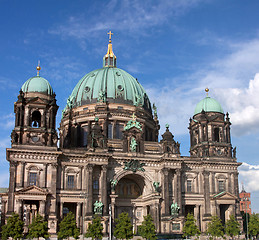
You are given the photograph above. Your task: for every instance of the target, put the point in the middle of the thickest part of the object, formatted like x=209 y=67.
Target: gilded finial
x=109 y=60
x=207 y=91
x=110 y=36
x=38 y=69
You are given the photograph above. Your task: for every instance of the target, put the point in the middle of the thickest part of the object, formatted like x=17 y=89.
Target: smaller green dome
x=208 y=105
x=37 y=84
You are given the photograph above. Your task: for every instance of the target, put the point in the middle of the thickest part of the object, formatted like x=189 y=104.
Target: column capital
x=13 y=163
x=89 y=167
x=165 y=171
x=104 y=167
x=206 y=173
x=178 y=171
x=54 y=165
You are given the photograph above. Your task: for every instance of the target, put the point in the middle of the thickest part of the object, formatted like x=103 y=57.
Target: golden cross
x=110 y=37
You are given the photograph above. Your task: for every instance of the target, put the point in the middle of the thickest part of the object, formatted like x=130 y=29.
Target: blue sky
x=175 y=48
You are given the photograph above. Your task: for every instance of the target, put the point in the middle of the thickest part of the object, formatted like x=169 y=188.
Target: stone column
x=201 y=135
x=61 y=209
x=232 y=183
x=78 y=210
x=43 y=183
x=53 y=188
x=197 y=183
x=236 y=193
x=236 y=190
x=42 y=208
x=229 y=183
x=104 y=189
x=179 y=190
x=89 y=190
x=206 y=192
x=84 y=179
x=22 y=174
x=80 y=186
x=12 y=181
x=19 y=208
x=213 y=182
x=165 y=191
x=156 y=217
x=48 y=183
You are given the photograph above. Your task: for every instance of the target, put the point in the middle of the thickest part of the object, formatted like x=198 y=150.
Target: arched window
x=189 y=186
x=119 y=129
x=70 y=181
x=221 y=185
x=216 y=134
x=110 y=132
x=36 y=119
x=32 y=178
x=84 y=135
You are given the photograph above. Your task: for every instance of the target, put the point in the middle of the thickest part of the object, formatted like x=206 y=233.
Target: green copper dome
x=37 y=84
x=208 y=105
x=113 y=84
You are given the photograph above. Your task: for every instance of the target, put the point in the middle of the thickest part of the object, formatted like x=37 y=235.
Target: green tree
x=215 y=227
x=67 y=227
x=232 y=227
x=190 y=228
x=253 y=225
x=95 y=229
x=13 y=228
x=38 y=228
x=147 y=229
x=123 y=228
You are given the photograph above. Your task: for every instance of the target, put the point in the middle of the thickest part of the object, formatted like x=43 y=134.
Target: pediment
x=224 y=196
x=134 y=129
x=37 y=100
x=32 y=190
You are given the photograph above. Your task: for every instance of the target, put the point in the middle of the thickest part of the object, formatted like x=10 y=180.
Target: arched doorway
x=129 y=191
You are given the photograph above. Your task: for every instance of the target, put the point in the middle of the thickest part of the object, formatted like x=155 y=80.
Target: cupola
x=37 y=84
x=208 y=104
x=109 y=60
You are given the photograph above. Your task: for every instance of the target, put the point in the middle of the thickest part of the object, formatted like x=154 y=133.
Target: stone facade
x=109 y=153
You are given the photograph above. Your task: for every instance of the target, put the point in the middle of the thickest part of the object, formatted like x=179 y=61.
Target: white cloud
x=133 y=16
x=243 y=105
x=7 y=121
x=249 y=175
x=177 y=102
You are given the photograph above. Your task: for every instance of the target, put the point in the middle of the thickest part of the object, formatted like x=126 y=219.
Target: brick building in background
x=245 y=202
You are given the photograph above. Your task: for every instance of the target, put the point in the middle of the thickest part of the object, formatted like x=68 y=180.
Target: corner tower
x=210 y=130
x=35 y=114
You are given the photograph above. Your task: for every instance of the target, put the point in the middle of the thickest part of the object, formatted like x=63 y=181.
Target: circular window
x=120 y=87
x=118 y=74
x=93 y=74
x=87 y=89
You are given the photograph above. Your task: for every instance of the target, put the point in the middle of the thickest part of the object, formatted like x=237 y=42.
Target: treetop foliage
x=147 y=230
x=13 y=228
x=215 y=227
x=190 y=228
x=95 y=229
x=232 y=227
x=123 y=228
x=253 y=225
x=68 y=228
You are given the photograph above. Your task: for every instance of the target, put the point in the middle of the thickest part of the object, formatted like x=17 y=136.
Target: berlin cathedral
x=107 y=157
